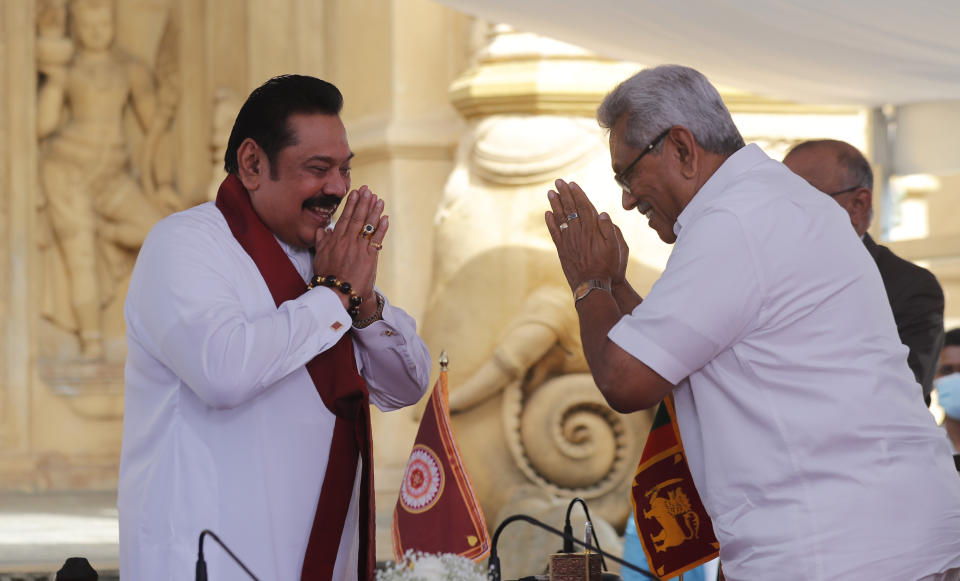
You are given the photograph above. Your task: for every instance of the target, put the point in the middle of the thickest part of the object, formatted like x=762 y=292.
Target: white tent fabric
x=863 y=52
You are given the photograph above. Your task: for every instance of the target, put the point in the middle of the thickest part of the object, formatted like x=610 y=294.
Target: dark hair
x=952 y=337
x=264 y=117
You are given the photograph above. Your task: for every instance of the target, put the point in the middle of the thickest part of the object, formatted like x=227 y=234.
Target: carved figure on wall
x=532 y=427
x=97 y=204
x=226 y=105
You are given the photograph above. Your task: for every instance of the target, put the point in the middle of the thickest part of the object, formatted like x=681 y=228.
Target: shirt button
x=388 y=333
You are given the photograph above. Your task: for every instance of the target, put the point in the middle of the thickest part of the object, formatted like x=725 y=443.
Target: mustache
x=327 y=201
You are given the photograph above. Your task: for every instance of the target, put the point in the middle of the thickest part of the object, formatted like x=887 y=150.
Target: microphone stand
x=494 y=561
x=568 y=530
x=202 y=565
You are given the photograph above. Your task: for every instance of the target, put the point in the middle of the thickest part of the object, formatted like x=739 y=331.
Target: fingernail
x=551 y=194
x=604 y=216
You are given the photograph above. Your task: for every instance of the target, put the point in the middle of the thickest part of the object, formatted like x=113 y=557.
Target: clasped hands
x=589 y=245
x=350 y=250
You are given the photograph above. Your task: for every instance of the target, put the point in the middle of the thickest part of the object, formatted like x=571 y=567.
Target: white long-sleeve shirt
x=806 y=440
x=223 y=427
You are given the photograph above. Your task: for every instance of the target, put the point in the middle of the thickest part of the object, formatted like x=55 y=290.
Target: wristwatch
x=588 y=286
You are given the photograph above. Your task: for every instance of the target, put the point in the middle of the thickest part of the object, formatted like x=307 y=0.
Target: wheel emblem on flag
x=422 y=481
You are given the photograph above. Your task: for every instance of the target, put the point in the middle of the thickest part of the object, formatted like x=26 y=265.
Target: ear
x=252 y=164
x=687 y=152
x=861 y=203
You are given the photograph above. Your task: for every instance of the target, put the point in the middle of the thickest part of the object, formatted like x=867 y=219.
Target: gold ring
x=376 y=245
x=367 y=231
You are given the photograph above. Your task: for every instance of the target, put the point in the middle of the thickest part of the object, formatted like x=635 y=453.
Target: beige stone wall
x=61 y=396
x=17 y=250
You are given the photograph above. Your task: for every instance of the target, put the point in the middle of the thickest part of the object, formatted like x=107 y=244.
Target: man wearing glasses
x=770 y=331
x=842 y=172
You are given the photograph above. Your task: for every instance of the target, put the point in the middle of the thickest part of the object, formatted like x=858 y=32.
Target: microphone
x=568 y=530
x=202 y=565
x=494 y=562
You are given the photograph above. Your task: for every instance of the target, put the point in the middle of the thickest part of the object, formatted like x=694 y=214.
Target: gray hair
x=661 y=97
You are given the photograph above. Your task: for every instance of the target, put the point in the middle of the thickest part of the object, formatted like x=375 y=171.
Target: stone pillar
x=394 y=71
x=17 y=244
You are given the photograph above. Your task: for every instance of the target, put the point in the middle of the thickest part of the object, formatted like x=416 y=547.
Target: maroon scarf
x=343 y=391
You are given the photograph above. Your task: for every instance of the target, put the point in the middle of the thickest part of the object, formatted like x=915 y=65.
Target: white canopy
x=864 y=52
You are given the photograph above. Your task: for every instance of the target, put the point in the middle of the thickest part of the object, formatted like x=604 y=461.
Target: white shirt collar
x=741 y=161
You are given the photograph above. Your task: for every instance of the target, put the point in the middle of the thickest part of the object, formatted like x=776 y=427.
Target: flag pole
x=444 y=366
x=437 y=509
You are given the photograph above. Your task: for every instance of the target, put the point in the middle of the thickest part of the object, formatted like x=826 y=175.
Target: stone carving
x=529 y=420
x=98 y=198
x=226 y=105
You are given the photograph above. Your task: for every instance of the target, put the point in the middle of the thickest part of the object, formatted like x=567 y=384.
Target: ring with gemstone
x=367 y=231
x=572 y=216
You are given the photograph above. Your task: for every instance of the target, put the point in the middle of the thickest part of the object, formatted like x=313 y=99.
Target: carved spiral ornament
x=567 y=440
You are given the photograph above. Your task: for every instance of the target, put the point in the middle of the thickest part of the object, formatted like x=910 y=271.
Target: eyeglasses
x=623 y=177
x=834 y=194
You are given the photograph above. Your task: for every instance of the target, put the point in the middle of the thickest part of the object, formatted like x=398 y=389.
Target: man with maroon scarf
x=256 y=342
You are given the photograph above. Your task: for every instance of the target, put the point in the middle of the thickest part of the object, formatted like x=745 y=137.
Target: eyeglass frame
x=846 y=191
x=621 y=176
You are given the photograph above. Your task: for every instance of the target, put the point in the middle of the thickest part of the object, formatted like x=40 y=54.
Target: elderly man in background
x=813 y=456
x=839 y=170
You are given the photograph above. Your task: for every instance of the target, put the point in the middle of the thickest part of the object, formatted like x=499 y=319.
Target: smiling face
x=654 y=190
x=308 y=181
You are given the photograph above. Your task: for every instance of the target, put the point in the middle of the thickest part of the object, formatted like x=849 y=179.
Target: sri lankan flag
x=673 y=525
x=437 y=511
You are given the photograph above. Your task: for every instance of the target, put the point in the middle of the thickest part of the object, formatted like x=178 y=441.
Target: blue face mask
x=948 y=392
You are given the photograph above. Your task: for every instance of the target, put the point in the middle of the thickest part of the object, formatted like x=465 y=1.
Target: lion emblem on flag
x=678 y=521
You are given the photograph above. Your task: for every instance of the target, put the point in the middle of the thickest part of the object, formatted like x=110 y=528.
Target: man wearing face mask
x=256 y=342
x=948 y=385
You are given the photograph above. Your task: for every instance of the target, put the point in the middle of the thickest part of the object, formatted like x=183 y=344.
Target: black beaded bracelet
x=343 y=286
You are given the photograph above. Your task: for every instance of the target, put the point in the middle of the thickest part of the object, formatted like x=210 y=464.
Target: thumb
x=606 y=226
x=319 y=237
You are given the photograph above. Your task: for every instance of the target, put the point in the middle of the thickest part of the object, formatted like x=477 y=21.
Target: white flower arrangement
x=417 y=566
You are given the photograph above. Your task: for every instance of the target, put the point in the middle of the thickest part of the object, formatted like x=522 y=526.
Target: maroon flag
x=437 y=511
x=672 y=523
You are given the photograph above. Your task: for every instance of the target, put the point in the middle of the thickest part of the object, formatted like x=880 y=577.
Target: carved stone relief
x=105 y=169
x=226 y=105
x=532 y=425
x=533 y=429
